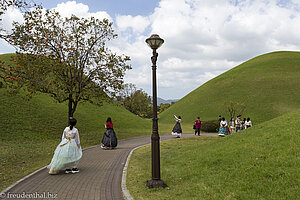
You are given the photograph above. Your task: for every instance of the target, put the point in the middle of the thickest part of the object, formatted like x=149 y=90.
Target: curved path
x=99 y=178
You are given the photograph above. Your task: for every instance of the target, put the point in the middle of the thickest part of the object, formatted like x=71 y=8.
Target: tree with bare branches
x=234 y=108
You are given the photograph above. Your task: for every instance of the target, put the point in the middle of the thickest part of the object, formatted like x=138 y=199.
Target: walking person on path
x=109 y=140
x=238 y=123
x=232 y=125
x=68 y=153
x=177 y=128
x=243 y=124
x=219 y=118
x=223 y=130
x=248 y=123
x=197 y=126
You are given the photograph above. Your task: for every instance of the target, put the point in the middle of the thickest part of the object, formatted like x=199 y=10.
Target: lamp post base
x=156 y=183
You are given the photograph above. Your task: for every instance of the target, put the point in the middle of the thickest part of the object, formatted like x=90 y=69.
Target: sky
x=202 y=38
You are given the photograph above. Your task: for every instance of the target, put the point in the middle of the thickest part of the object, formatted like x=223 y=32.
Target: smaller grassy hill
x=261 y=162
x=30 y=130
x=41 y=118
x=268 y=85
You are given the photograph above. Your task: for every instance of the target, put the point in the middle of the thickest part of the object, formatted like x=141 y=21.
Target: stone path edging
x=123 y=184
x=22 y=179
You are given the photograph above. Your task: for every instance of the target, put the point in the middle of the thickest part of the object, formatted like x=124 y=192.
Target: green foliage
x=64 y=57
x=261 y=162
x=268 y=85
x=210 y=126
x=136 y=101
x=163 y=106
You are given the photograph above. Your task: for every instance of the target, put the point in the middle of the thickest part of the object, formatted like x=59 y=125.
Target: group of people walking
x=68 y=153
x=233 y=125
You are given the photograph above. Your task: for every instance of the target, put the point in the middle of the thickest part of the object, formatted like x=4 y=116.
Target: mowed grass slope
x=31 y=130
x=261 y=162
x=269 y=86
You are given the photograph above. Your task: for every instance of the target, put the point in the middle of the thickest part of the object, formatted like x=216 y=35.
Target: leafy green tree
x=64 y=57
x=163 y=107
x=136 y=101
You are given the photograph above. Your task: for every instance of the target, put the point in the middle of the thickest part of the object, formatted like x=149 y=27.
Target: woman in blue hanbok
x=68 y=153
x=223 y=130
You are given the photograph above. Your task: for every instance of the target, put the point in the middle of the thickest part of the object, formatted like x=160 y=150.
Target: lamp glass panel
x=154 y=41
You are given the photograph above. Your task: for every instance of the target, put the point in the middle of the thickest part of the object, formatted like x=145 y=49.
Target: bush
x=210 y=126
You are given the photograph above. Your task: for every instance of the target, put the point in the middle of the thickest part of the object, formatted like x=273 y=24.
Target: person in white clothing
x=232 y=125
x=223 y=127
x=248 y=123
x=68 y=153
x=238 y=124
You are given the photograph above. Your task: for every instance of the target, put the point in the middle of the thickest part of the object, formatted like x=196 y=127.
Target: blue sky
x=113 y=7
x=203 y=38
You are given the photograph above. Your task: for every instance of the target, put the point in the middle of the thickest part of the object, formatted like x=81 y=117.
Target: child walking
x=68 y=153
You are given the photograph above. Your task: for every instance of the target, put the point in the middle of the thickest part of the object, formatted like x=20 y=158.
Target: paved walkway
x=99 y=177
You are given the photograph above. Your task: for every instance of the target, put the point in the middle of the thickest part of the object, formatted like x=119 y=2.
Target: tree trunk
x=70 y=108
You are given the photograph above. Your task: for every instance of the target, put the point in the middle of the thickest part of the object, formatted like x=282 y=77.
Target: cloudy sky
x=203 y=38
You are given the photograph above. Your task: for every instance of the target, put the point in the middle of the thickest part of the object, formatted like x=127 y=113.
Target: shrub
x=210 y=126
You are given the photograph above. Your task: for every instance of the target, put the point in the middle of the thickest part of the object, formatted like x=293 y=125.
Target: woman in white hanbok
x=68 y=153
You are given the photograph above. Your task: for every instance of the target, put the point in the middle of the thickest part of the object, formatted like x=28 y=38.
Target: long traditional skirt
x=177 y=131
x=223 y=131
x=109 y=138
x=66 y=156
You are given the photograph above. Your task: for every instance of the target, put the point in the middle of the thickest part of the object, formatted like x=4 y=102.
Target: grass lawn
x=31 y=130
x=259 y=163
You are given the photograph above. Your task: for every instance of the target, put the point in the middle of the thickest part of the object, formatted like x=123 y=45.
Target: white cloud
x=202 y=38
x=137 y=23
x=68 y=8
x=10 y=16
x=206 y=38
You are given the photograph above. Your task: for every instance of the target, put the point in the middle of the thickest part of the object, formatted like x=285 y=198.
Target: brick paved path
x=99 y=177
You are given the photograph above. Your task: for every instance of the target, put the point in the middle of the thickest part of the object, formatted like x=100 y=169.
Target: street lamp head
x=154 y=41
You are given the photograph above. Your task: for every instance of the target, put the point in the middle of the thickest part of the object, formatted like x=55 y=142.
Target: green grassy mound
x=268 y=85
x=261 y=162
x=31 y=130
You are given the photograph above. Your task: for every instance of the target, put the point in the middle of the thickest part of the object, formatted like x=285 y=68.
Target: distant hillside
x=163 y=101
x=268 y=85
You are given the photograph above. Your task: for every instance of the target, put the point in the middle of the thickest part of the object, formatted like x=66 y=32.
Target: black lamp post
x=154 y=43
